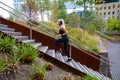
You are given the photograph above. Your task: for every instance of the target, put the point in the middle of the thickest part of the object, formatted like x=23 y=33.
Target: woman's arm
x=55 y=31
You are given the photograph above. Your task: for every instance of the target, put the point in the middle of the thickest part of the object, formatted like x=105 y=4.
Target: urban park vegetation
x=11 y=65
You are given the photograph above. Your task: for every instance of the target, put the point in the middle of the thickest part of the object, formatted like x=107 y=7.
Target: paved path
x=114 y=56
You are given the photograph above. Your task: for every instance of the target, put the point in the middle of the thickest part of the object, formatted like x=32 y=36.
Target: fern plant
x=88 y=77
x=3 y=64
x=68 y=77
x=6 y=44
x=27 y=53
x=39 y=72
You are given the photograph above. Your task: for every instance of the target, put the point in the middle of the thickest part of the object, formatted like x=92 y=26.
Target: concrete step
x=91 y=72
x=59 y=56
x=29 y=41
x=10 y=33
x=6 y=29
x=36 y=45
x=43 y=49
x=2 y=25
x=97 y=74
x=65 y=59
x=51 y=53
x=21 y=38
x=83 y=69
x=75 y=64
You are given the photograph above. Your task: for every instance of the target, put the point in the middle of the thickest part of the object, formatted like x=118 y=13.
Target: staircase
x=51 y=52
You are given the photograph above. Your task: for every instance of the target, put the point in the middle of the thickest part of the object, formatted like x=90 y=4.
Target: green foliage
x=7 y=44
x=75 y=33
x=98 y=22
x=103 y=35
x=48 y=66
x=58 y=10
x=73 y=20
x=30 y=9
x=3 y=63
x=90 y=28
x=39 y=72
x=113 y=25
x=43 y=5
x=15 y=59
x=68 y=77
x=98 y=1
x=88 y=77
x=27 y=53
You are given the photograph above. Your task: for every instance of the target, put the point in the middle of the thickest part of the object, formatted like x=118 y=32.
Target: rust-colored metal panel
x=79 y=55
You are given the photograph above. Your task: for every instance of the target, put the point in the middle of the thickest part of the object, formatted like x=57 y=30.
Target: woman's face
x=58 y=22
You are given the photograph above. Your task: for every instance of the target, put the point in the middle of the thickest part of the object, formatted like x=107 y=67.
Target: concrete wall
x=108 y=10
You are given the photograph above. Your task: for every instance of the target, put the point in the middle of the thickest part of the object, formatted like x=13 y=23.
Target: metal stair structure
x=51 y=52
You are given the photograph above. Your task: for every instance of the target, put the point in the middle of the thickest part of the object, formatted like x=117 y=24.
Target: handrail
x=50 y=33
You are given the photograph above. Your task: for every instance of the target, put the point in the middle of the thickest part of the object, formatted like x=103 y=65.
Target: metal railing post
x=30 y=30
x=70 y=47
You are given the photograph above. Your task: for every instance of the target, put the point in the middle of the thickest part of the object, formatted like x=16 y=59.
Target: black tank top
x=62 y=32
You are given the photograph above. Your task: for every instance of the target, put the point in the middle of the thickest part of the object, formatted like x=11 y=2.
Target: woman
x=63 y=38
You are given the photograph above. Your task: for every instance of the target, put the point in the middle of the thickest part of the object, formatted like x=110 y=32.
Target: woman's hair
x=61 y=22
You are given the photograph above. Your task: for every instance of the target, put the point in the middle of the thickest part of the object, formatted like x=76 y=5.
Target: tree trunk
x=42 y=16
x=48 y=15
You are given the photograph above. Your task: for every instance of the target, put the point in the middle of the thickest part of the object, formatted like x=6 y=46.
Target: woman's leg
x=57 y=42
x=66 y=49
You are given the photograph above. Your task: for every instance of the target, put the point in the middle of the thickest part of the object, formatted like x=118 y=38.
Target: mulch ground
x=25 y=71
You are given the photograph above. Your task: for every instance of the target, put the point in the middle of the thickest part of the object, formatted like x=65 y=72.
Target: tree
x=73 y=20
x=43 y=5
x=59 y=10
x=30 y=9
x=99 y=22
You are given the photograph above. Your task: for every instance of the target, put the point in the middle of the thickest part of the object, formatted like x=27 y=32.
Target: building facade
x=108 y=10
x=17 y=4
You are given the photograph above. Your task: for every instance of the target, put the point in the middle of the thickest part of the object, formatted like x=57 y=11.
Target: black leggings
x=65 y=40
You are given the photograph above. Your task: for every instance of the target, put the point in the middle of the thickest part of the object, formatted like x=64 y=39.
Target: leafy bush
x=49 y=66
x=39 y=72
x=6 y=44
x=88 y=77
x=99 y=22
x=3 y=64
x=113 y=25
x=68 y=77
x=27 y=53
x=90 y=28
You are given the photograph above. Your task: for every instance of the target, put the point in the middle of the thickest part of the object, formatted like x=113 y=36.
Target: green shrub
x=113 y=25
x=27 y=53
x=7 y=44
x=90 y=28
x=3 y=64
x=39 y=72
x=88 y=77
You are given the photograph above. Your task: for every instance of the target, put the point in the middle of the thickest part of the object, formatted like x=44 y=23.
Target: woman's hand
x=59 y=35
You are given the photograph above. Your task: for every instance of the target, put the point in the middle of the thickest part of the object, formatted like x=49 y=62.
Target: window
x=104 y=7
x=113 y=12
x=118 y=5
x=108 y=7
x=113 y=5
x=109 y=13
x=104 y=13
x=101 y=8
